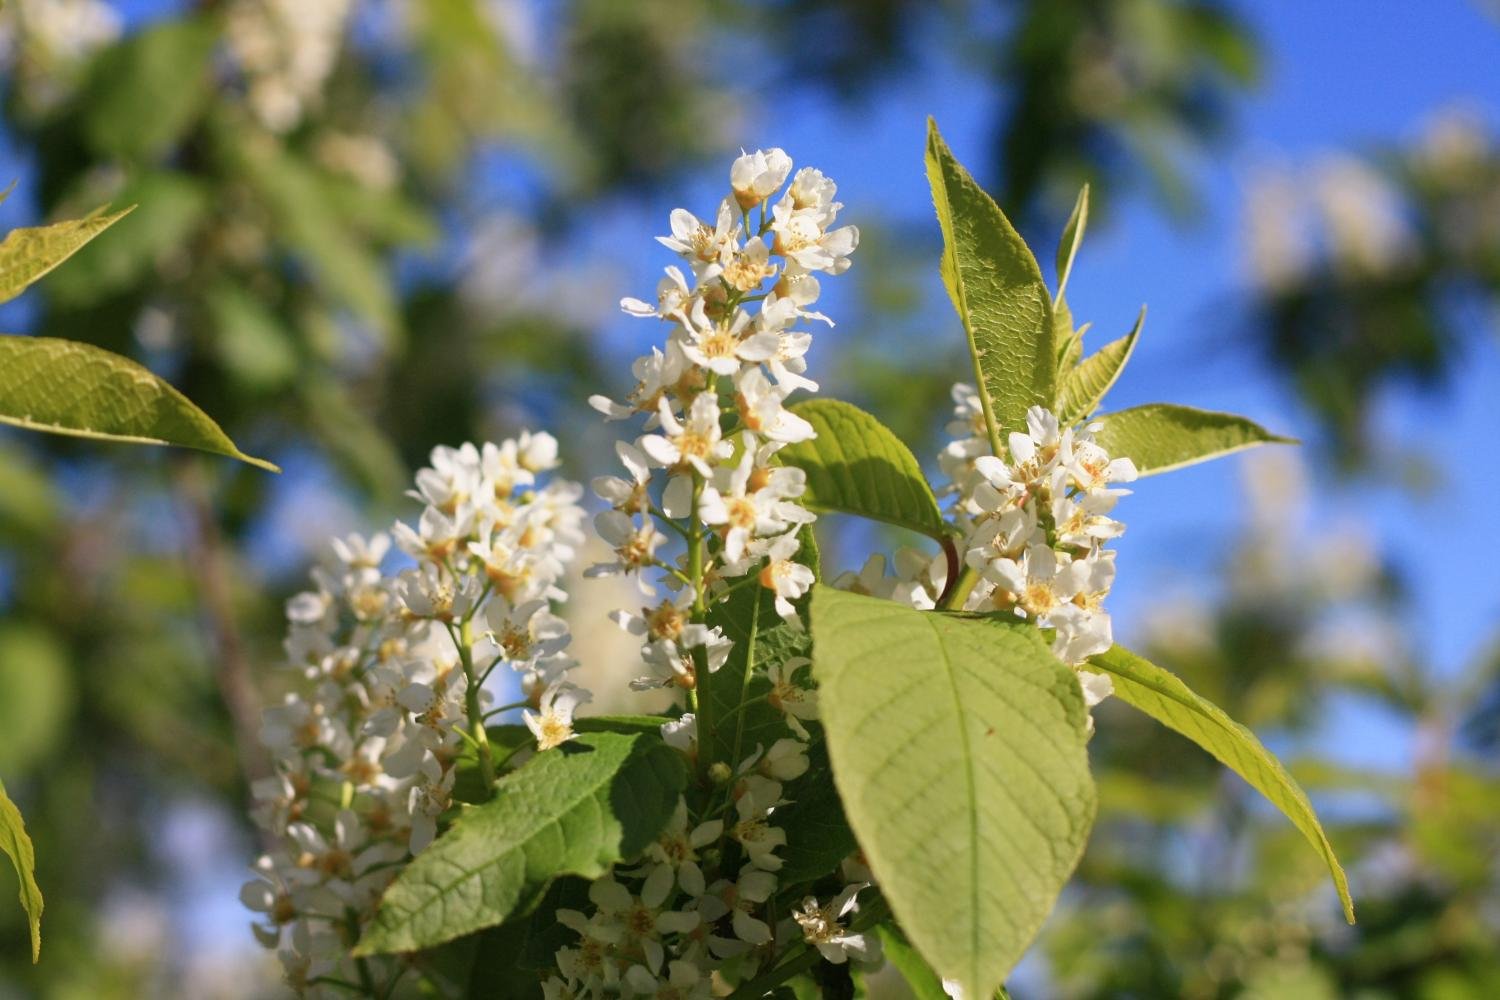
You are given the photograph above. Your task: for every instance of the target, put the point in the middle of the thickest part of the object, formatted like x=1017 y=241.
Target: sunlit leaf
x=69 y=388
x=1084 y=386
x=997 y=288
x=857 y=465
x=1163 y=696
x=16 y=844
x=1160 y=437
x=959 y=750
x=28 y=253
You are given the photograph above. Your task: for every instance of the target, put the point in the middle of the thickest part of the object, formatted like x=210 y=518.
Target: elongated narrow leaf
x=27 y=254
x=1067 y=248
x=1160 y=437
x=857 y=465
x=958 y=749
x=1163 y=696
x=997 y=288
x=17 y=846
x=1084 y=386
x=576 y=810
x=70 y=388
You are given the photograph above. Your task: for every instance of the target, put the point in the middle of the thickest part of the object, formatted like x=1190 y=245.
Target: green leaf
x=31 y=252
x=920 y=979
x=959 y=749
x=250 y=339
x=857 y=465
x=1160 y=437
x=347 y=268
x=170 y=207
x=69 y=388
x=576 y=810
x=997 y=288
x=17 y=846
x=1163 y=696
x=818 y=835
x=749 y=619
x=147 y=90
x=1072 y=236
x=1084 y=386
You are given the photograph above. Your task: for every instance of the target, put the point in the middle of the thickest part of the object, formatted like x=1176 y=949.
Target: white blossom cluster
x=1035 y=525
x=286 y=50
x=704 y=510
x=390 y=673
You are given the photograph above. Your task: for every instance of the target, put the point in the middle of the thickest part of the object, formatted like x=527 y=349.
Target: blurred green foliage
x=299 y=265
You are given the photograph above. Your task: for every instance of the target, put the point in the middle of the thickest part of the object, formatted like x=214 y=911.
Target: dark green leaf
x=577 y=810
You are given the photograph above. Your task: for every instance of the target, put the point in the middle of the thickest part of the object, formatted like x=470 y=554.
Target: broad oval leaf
x=577 y=810
x=959 y=750
x=1160 y=437
x=1084 y=386
x=857 y=465
x=70 y=388
x=997 y=288
x=1162 y=695
x=16 y=844
x=28 y=253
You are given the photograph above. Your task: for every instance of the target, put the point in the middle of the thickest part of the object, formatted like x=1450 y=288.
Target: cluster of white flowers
x=391 y=671
x=704 y=510
x=1035 y=524
x=57 y=30
x=286 y=49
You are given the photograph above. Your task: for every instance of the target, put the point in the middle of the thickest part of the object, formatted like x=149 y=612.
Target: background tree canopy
x=366 y=227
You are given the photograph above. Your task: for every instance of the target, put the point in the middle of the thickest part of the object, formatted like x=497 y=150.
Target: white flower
x=800 y=237
x=695 y=441
x=762 y=413
x=795 y=702
x=696 y=240
x=673 y=295
x=785 y=577
x=821 y=928
x=554 y=725
x=756 y=176
x=724 y=345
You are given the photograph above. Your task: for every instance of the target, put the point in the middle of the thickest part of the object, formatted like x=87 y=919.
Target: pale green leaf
x=69 y=388
x=28 y=253
x=1160 y=437
x=1067 y=248
x=958 y=746
x=1163 y=696
x=1084 y=386
x=997 y=288
x=857 y=465
x=16 y=844
x=576 y=810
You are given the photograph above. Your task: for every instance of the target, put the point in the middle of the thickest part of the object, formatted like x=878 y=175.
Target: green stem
x=474 y=709
x=700 y=612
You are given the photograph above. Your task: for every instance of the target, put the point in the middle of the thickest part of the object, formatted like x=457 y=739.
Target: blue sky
x=1332 y=81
